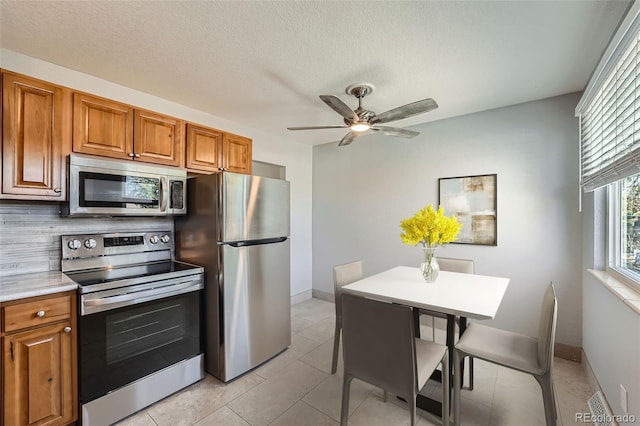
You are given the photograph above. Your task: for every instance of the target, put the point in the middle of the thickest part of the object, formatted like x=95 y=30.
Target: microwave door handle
x=164 y=193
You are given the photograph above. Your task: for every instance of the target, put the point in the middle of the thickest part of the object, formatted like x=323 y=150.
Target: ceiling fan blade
x=316 y=127
x=348 y=138
x=405 y=111
x=340 y=107
x=396 y=131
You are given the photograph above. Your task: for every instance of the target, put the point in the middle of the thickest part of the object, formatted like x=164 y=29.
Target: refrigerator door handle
x=257 y=242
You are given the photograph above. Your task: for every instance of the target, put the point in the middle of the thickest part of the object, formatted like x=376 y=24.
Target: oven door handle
x=154 y=293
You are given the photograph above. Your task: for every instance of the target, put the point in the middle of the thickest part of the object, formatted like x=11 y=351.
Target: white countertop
x=36 y=284
x=467 y=295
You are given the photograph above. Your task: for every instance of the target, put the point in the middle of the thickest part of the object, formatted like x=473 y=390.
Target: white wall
x=611 y=341
x=296 y=157
x=362 y=191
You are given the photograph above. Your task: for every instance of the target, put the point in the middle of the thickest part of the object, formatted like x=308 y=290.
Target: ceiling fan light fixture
x=359 y=127
x=361 y=121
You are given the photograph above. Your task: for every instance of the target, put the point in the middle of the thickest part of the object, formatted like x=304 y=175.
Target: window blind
x=610 y=116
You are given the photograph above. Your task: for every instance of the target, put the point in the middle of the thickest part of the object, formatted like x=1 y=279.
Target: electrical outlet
x=624 y=399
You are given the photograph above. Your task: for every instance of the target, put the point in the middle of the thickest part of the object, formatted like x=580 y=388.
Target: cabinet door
x=38 y=381
x=33 y=133
x=158 y=139
x=236 y=153
x=102 y=127
x=204 y=148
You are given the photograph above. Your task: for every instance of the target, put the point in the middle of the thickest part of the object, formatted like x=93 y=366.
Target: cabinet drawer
x=37 y=312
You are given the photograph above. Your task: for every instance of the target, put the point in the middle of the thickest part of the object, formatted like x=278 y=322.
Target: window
x=609 y=113
x=624 y=228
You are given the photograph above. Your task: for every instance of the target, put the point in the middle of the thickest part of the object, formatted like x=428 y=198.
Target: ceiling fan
x=361 y=121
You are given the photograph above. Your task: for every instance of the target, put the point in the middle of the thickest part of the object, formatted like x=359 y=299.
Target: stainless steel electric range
x=139 y=321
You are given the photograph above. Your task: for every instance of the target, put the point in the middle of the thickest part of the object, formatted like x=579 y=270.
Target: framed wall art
x=472 y=199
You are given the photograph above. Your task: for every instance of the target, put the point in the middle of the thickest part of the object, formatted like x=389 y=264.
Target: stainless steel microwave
x=105 y=187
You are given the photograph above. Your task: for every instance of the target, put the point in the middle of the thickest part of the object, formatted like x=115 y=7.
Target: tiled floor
x=297 y=389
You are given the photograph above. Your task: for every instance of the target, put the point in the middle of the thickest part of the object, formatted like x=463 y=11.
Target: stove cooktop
x=129 y=275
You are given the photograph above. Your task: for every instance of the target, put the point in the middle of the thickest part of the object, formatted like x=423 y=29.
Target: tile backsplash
x=30 y=233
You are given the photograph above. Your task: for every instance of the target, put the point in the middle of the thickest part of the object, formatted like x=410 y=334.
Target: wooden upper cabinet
x=204 y=148
x=236 y=153
x=36 y=135
x=211 y=150
x=158 y=139
x=111 y=129
x=102 y=127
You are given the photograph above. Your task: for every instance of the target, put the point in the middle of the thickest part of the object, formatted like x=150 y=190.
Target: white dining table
x=464 y=295
x=454 y=294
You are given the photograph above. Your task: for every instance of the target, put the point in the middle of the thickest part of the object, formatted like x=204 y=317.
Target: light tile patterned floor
x=296 y=389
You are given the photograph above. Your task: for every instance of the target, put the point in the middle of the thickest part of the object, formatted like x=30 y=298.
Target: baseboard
x=323 y=295
x=591 y=377
x=301 y=297
x=570 y=353
x=592 y=380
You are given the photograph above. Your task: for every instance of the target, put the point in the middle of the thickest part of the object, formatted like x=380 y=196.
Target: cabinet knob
x=57 y=190
x=131 y=154
x=40 y=314
x=67 y=329
x=136 y=155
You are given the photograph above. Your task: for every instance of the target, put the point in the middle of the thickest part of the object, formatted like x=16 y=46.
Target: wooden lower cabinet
x=39 y=385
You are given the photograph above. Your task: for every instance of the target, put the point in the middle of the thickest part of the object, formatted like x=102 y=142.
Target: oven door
x=122 y=345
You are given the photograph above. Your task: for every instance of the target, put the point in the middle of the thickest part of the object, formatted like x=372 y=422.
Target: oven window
x=122 y=345
x=106 y=190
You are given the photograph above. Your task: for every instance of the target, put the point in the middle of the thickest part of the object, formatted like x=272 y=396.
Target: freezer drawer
x=256 y=305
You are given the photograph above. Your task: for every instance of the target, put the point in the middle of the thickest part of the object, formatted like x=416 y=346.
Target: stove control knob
x=154 y=239
x=165 y=239
x=90 y=243
x=74 y=244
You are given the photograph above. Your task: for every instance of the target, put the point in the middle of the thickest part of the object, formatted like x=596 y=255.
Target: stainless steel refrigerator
x=237 y=227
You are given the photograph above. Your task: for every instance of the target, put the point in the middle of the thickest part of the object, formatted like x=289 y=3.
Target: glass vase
x=430 y=267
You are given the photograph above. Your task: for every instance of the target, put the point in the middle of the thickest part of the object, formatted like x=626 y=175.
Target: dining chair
x=342 y=275
x=379 y=347
x=516 y=351
x=465 y=266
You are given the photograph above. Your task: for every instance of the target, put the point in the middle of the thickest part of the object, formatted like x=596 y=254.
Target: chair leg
x=346 y=388
x=457 y=383
x=470 y=373
x=433 y=329
x=413 y=409
x=336 y=345
x=548 y=398
x=446 y=390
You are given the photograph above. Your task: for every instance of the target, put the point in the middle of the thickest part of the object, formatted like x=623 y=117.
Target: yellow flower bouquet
x=431 y=228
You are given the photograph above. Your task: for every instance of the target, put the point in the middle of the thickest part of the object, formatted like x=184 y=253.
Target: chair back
x=342 y=275
x=547 y=328
x=465 y=266
x=378 y=344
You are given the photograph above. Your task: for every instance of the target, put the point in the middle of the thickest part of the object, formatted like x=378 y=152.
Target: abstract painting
x=472 y=199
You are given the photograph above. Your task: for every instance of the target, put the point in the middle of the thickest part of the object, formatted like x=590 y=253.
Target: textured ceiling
x=264 y=64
